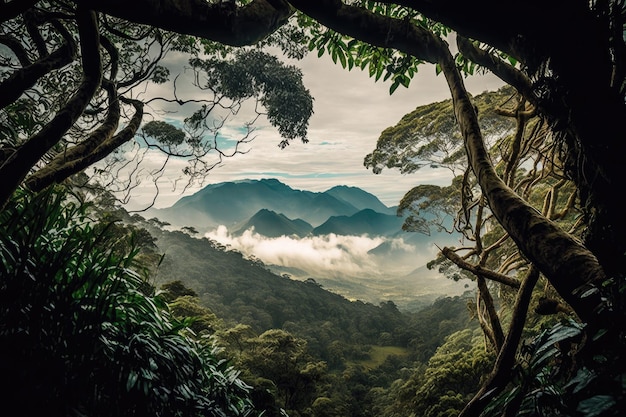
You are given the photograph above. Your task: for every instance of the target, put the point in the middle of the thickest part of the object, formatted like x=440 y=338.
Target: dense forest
x=282 y=345
x=98 y=318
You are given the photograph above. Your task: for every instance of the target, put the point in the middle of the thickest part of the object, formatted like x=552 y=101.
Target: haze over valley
x=345 y=239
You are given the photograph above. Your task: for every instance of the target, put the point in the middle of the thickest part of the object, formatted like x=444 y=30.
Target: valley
x=344 y=239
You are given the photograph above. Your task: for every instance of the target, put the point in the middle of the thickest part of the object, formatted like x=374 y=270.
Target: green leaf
x=342 y=57
x=132 y=380
x=582 y=379
x=596 y=405
x=394 y=86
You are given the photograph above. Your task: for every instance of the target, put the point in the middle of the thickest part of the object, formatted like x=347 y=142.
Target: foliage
x=278 y=87
x=356 y=349
x=381 y=62
x=428 y=136
x=547 y=380
x=453 y=375
x=43 y=60
x=69 y=79
x=78 y=335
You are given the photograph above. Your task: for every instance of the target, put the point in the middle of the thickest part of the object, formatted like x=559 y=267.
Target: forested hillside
x=329 y=338
x=244 y=291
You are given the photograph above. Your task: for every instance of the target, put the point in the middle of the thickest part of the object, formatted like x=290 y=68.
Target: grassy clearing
x=378 y=354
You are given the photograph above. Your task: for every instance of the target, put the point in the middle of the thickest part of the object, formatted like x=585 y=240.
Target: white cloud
x=321 y=256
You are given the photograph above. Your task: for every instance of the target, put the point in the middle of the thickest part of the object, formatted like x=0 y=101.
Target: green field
x=378 y=354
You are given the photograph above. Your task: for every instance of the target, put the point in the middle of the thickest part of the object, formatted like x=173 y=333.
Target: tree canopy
x=67 y=100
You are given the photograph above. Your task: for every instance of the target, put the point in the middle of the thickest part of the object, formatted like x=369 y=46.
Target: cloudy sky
x=350 y=112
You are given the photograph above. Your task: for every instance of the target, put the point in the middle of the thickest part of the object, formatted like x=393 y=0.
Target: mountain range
x=345 y=238
x=273 y=208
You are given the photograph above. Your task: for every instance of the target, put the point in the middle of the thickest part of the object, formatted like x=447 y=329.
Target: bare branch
x=506 y=356
x=479 y=270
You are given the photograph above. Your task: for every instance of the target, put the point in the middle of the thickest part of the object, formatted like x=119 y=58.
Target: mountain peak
x=231 y=203
x=271 y=224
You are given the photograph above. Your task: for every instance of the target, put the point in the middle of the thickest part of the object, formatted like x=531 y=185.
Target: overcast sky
x=350 y=112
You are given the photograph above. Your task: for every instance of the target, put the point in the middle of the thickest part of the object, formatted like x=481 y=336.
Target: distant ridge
x=360 y=199
x=271 y=224
x=232 y=203
x=366 y=221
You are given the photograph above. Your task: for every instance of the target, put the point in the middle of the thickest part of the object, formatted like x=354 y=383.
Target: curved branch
x=57 y=173
x=374 y=28
x=578 y=270
x=506 y=72
x=217 y=21
x=52 y=171
x=21 y=80
x=16 y=167
x=17 y=48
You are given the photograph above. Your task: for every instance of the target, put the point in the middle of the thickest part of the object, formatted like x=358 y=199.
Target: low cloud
x=321 y=256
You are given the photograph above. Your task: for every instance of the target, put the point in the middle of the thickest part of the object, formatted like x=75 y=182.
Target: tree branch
x=217 y=21
x=578 y=270
x=17 y=48
x=21 y=80
x=16 y=167
x=14 y=8
x=58 y=172
x=506 y=72
x=500 y=374
x=69 y=157
x=479 y=270
x=374 y=28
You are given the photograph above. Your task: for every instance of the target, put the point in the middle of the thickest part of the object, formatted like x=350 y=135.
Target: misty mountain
x=366 y=221
x=271 y=224
x=360 y=199
x=231 y=203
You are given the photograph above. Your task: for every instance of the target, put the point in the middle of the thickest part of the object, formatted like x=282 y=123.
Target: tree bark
x=479 y=270
x=374 y=28
x=19 y=81
x=217 y=21
x=571 y=268
x=61 y=169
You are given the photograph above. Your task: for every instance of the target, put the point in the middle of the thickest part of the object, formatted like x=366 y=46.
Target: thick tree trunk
x=571 y=268
x=217 y=21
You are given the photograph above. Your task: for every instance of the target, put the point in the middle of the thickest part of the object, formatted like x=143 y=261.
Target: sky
x=350 y=112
